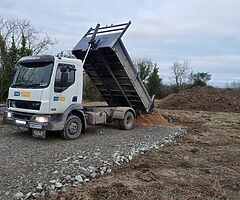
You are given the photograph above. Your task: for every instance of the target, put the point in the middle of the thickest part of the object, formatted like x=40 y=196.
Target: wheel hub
x=73 y=127
x=128 y=120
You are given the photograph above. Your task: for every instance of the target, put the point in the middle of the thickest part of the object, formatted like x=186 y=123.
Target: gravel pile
x=32 y=168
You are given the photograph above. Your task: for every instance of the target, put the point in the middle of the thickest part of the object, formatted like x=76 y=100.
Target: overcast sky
x=204 y=32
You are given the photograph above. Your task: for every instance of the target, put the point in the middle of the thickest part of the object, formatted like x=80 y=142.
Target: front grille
x=32 y=105
x=23 y=116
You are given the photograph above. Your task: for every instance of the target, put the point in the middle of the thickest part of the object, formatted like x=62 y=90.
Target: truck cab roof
x=46 y=58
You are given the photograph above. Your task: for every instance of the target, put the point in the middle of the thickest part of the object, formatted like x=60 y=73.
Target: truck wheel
x=72 y=128
x=128 y=122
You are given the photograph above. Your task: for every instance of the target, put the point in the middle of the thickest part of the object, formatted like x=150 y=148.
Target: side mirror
x=63 y=69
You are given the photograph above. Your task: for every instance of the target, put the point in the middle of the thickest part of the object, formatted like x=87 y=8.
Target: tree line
x=182 y=77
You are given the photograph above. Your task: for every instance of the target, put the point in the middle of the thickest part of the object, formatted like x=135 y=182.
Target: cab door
x=65 y=88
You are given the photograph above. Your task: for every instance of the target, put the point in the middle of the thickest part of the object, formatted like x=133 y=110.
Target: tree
x=148 y=73
x=199 y=79
x=180 y=71
x=90 y=92
x=154 y=81
x=233 y=85
x=18 y=38
x=144 y=67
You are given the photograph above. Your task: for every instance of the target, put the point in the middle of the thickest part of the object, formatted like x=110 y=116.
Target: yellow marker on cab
x=25 y=94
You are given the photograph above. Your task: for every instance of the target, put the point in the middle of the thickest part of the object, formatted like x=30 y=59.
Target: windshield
x=33 y=75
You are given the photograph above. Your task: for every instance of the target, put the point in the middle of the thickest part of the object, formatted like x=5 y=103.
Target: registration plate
x=39 y=133
x=20 y=122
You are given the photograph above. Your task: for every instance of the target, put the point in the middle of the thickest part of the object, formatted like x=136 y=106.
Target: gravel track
x=26 y=162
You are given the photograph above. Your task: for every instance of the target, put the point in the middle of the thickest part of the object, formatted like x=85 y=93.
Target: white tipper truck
x=46 y=93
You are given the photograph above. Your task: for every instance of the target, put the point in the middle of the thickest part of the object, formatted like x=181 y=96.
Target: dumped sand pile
x=154 y=118
x=204 y=99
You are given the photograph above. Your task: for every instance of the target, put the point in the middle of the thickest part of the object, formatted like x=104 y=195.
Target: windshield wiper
x=18 y=84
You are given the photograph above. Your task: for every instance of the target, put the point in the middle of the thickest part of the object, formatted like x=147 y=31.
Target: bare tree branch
x=17 y=29
x=180 y=70
x=43 y=44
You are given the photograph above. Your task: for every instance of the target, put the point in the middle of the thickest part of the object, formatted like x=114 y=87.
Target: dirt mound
x=154 y=118
x=205 y=99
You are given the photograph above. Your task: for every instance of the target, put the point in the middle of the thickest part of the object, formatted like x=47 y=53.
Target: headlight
x=9 y=115
x=41 y=119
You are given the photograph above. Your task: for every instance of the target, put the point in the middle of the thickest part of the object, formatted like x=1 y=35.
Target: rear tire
x=128 y=122
x=72 y=128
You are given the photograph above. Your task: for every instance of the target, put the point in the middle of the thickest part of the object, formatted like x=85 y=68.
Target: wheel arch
x=81 y=115
x=75 y=110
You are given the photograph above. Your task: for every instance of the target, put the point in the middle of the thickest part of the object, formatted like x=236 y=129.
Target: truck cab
x=44 y=91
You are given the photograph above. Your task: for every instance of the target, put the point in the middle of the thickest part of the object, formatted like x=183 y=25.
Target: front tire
x=128 y=122
x=72 y=128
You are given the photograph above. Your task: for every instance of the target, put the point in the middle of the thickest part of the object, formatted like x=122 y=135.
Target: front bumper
x=26 y=120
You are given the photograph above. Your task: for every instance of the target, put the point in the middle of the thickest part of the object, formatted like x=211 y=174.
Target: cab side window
x=65 y=77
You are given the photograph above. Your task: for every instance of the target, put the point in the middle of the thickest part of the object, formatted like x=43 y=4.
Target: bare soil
x=204 y=164
x=203 y=98
x=153 y=118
